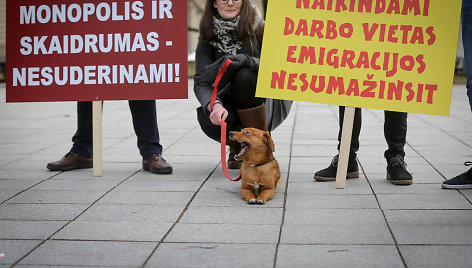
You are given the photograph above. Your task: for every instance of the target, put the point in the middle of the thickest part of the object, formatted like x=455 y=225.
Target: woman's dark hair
x=246 y=21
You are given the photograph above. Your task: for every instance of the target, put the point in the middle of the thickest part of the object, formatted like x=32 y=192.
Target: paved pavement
x=195 y=217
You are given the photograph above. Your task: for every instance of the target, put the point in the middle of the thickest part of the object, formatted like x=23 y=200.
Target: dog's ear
x=269 y=141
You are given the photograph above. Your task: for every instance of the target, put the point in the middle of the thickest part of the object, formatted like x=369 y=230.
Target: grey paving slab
x=383 y=186
x=146 y=198
x=7 y=194
x=132 y=213
x=212 y=255
x=255 y=214
x=437 y=256
x=442 y=200
x=156 y=183
x=56 y=197
x=13 y=250
x=121 y=231
x=20 y=165
x=21 y=174
x=94 y=184
x=331 y=201
x=338 y=256
x=224 y=233
x=41 y=212
x=89 y=253
x=429 y=177
x=18 y=185
x=422 y=227
x=207 y=160
x=353 y=186
x=335 y=226
x=12 y=229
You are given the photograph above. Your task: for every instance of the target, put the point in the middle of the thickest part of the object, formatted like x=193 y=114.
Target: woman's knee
x=244 y=77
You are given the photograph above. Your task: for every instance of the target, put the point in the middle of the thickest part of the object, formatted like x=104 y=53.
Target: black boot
x=234 y=148
x=329 y=173
x=397 y=173
x=253 y=117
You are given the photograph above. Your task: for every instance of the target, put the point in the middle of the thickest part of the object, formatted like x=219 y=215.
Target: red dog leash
x=223 y=123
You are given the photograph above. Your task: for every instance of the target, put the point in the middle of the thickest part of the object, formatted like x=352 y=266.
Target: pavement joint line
x=4 y=201
x=439 y=172
x=385 y=218
x=180 y=216
x=286 y=189
x=442 y=130
x=70 y=221
x=179 y=139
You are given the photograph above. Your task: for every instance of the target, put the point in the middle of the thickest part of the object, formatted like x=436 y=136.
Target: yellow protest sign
x=396 y=55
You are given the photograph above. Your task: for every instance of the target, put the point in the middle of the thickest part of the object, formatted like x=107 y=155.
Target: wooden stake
x=345 y=147
x=97 y=138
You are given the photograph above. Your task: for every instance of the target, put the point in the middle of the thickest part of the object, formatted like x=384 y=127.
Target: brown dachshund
x=260 y=172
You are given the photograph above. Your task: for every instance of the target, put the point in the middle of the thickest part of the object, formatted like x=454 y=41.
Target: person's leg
x=144 y=117
x=467 y=43
x=82 y=139
x=329 y=173
x=356 y=131
x=250 y=109
x=80 y=155
x=464 y=180
x=395 y=128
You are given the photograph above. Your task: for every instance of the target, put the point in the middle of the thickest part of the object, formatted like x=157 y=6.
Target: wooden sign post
x=97 y=138
x=345 y=147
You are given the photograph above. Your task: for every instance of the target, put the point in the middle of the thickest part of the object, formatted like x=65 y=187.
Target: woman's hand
x=218 y=114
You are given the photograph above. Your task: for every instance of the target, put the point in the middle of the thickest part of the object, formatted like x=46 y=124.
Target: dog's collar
x=261 y=164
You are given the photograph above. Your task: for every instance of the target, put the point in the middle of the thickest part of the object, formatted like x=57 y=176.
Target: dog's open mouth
x=244 y=148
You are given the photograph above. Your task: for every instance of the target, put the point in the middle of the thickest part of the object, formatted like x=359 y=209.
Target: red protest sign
x=66 y=50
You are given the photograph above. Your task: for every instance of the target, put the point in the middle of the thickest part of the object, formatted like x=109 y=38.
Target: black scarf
x=226 y=32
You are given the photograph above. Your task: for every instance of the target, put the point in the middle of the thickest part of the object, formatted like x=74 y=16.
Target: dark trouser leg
x=356 y=131
x=243 y=89
x=213 y=131
x=145 y=126
x=395 y=128
x=82 y=139
x=250 y=109
x=467 y=42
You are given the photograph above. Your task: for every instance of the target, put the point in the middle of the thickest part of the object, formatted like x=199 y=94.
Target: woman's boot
x=234 y=148
x=253 y=117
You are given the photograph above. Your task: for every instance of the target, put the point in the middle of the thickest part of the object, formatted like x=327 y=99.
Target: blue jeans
x=144 y=123
x=467 y=42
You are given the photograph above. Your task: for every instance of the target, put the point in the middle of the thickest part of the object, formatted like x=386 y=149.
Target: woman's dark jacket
x=208 y=61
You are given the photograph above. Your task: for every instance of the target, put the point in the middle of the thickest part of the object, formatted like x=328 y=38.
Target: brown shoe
x=156 y=164
x=69 y=162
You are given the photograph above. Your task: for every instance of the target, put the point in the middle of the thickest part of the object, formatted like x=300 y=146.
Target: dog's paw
x=260 y=202
x=252 y=201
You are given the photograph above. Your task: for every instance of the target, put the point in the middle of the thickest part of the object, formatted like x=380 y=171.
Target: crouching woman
x=232 y=29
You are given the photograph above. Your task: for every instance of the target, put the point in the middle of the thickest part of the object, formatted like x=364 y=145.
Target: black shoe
x=329 y=173
x=462 y=181
x=397 y=173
